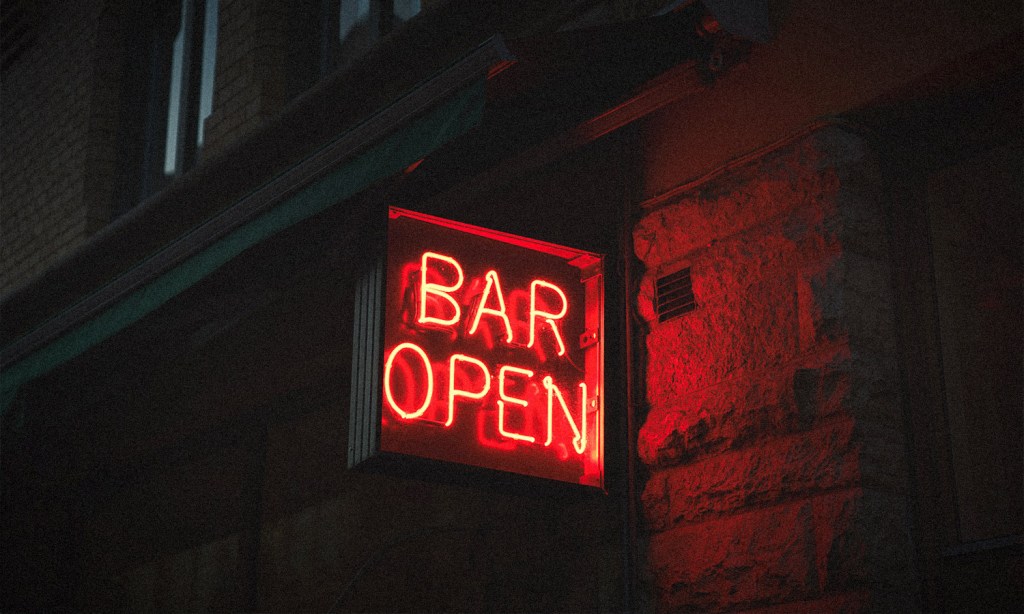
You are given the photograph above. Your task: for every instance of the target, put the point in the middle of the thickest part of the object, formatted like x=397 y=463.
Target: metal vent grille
x=674 y=295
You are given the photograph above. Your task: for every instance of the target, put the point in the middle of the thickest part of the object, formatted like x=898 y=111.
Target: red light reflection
x=493 y=284
x=453 y=391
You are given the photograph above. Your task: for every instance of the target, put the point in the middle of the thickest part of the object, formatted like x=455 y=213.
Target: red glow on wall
x=493 y=351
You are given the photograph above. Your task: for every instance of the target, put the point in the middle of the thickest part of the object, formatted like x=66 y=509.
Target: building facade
x=809 y=217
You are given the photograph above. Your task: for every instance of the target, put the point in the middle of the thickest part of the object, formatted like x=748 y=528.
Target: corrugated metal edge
x=367 y=333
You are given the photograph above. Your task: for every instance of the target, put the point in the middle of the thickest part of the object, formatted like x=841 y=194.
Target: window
x=324 y=35
x=181 y=95
x=353 y=26
x=168 y=95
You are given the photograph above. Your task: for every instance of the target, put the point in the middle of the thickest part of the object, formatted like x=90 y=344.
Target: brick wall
x=250 y=72
x=45 y=146
x=773 y=439
x=61 y=146
x=234 y=104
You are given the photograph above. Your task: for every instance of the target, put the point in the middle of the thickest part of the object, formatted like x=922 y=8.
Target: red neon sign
x=493 y=351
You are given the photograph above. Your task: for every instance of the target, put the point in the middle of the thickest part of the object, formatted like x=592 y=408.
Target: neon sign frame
x=480 y=348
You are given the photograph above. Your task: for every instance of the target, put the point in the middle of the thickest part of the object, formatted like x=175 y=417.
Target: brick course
x=58 y=160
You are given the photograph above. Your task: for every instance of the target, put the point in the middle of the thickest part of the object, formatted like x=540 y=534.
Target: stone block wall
x=773 y=434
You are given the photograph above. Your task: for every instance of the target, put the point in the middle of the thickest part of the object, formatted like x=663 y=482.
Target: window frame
x=147 y=92
x=335 y=53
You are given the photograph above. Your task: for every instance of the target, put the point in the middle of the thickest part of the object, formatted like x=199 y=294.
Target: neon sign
x=492 y=351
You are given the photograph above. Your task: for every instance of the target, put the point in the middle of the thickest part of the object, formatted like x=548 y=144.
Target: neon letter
x=408 y=415
x=504 y=397
x=580 y=440
x=548 y=316
x=492 y=281
x=439 y=290
x=458 y=392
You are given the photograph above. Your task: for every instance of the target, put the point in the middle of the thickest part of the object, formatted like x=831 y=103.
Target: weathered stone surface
x=774 y=433
x=830 y=170
x=846 y=549
x=746 y=319
x=763 y=556
x=838 y=603
x=745 y=199
x=849 y=297
x=716 y=418
x=782 y=400
x=841 y=380
x=765 y=296
x=820 y=391
x=784 y=468
x=765 y=299
x=862 y=541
